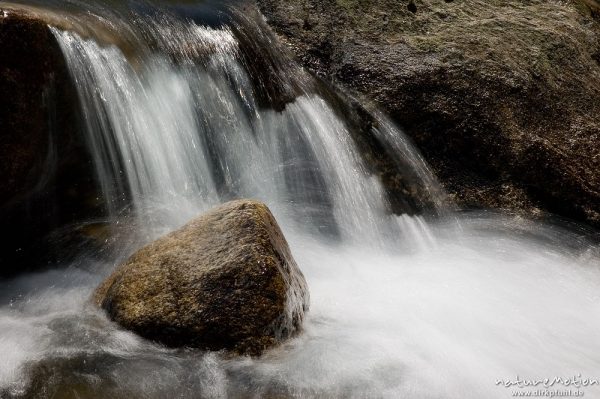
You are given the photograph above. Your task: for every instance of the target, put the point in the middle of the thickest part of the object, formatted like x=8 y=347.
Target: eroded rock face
x=227 y=280
x=501 y=96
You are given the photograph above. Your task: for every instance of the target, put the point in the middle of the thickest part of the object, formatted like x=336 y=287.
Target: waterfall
x=180 y=115
x=177 y=136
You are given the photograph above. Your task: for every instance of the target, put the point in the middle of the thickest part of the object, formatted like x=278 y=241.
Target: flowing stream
x=431 y=304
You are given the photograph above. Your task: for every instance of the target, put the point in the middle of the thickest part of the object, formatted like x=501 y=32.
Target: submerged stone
x=226 y=280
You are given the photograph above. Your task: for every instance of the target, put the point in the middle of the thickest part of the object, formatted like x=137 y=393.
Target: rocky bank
x=501 y=96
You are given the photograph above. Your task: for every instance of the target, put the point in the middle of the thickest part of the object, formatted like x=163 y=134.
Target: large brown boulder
x=226 y=280
x=501 y=96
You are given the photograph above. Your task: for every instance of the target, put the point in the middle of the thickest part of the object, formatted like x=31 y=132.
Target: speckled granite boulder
x=226 y=280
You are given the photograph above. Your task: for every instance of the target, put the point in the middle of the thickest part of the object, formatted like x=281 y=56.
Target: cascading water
x=184 y=136
x=401 y=306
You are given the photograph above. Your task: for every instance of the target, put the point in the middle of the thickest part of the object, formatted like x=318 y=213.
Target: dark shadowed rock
x=226 y=280
x=47 y=177
x=501 y=96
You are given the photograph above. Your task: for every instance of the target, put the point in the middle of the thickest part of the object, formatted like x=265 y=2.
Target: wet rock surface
x=501 y=97
x=226 y=280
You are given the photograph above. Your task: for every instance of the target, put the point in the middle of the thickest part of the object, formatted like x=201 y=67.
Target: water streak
x=186 y=134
